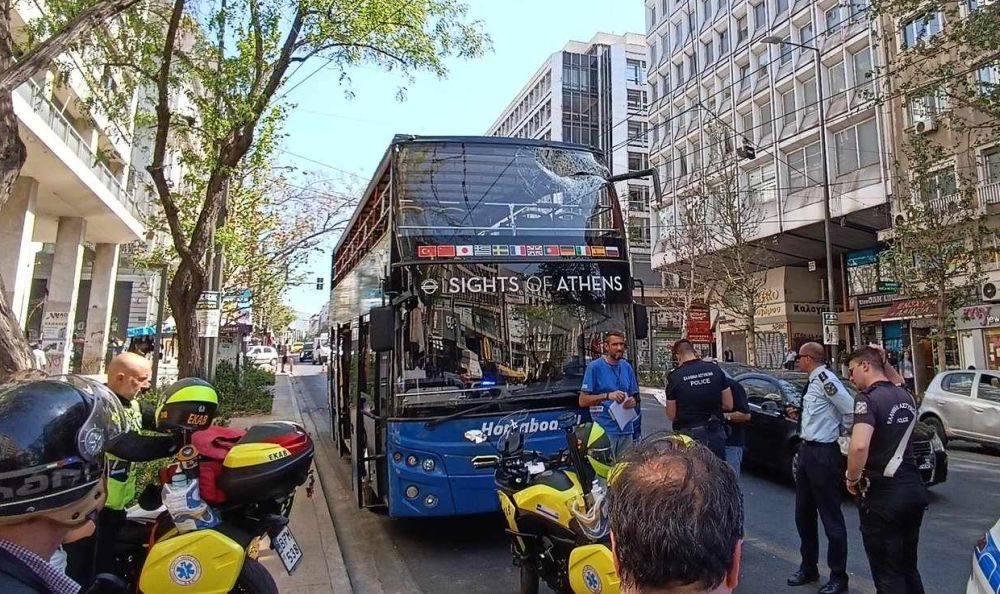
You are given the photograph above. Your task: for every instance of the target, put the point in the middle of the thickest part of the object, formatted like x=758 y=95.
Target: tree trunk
x=183 y=296
x=751 y=341
x=14 y=352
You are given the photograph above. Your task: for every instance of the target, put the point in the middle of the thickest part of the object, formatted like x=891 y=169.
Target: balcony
x=33 y=94
x=989 y=193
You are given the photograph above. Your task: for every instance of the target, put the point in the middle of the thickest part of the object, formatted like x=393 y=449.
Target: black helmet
x=53 y=435
x=188 y=404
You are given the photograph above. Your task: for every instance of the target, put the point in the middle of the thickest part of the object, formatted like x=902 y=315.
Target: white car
x=964 y=405
x=985 y=577
x=263 y=355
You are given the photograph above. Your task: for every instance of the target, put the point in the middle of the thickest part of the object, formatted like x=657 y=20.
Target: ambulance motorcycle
x=555 y=506
x=258 y=479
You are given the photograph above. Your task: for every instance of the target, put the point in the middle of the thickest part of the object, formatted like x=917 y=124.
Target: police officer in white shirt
x=818 y=481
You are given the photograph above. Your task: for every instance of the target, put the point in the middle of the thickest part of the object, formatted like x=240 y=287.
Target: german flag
x=567 y=250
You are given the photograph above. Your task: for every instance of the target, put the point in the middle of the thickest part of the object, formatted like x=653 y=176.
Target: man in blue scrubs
x=610 y=379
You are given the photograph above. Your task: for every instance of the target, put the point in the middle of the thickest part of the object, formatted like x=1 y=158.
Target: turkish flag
x=426 y=251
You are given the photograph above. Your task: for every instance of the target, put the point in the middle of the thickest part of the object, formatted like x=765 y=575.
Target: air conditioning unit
x=990 y=292
x=924 y=124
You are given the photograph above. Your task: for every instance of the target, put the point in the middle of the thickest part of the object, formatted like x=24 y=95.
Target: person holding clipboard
x=610 y=390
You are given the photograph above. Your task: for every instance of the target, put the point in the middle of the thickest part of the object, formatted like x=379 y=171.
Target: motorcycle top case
x=271 y=460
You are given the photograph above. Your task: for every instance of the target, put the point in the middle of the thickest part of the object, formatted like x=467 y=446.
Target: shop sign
x=861 y=258
x=888 y=287
x=977 y=316
x=912 y=308
x=699 y=325
x=807 y=308
x=877 y=299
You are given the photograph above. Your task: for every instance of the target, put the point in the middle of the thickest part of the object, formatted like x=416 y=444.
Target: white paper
x=622 y=415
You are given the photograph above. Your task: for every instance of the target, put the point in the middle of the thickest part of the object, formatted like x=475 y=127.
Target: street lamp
x=832 y=303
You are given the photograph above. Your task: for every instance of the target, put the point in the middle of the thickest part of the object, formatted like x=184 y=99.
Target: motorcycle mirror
x=475 y=436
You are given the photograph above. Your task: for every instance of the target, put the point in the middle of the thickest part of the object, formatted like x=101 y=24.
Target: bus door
x=340 y=401
x=367 y=407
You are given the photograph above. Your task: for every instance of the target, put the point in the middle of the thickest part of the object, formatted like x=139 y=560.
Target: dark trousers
x=710 y=435
x=818 y=482
x=95 y=554
x=890 y=530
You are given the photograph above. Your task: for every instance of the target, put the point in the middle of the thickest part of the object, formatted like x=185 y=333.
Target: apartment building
x=79 y=199
x=724 y=75
x=594 y=93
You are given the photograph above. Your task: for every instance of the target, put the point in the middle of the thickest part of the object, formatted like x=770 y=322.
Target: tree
x=686 y=242
x=216 y=79
x=64 y=25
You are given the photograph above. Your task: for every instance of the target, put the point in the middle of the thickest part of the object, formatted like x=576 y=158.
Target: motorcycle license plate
x=288 y=549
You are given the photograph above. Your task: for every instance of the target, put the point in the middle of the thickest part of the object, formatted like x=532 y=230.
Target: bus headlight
x=428 y=465
x=412 y=491
x=411 y=460
x=431 y=500
x=396 y=456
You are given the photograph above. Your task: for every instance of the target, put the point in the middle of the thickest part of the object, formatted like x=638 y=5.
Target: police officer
x=53 y=435
x=825 y=404
x=697 y=396
x=128 y=376
x=882 y=470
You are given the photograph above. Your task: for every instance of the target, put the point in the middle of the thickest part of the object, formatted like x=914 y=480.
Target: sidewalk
x=322 y=569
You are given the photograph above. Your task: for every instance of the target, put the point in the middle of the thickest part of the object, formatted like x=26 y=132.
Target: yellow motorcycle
x=555 y=506
x=257 y=480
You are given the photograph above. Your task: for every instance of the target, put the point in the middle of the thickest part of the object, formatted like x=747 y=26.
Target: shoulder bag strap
x=897 y=456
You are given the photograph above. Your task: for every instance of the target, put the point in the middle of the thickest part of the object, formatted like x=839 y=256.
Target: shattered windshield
x=485 y=193
x=499 y=331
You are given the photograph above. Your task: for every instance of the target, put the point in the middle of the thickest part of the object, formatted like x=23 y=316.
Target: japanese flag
x=463 y=250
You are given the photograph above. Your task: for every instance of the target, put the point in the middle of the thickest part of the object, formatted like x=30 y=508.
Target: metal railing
x=57 y=122
x=989 y=193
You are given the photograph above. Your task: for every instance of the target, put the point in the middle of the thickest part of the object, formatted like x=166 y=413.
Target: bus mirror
x=641 y=319
x=381 y=328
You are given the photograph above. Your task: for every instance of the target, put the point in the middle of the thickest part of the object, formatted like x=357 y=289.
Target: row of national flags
x=471 y=251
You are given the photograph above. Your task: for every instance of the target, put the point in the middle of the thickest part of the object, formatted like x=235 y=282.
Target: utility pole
x=158 y=345
x=210 y=347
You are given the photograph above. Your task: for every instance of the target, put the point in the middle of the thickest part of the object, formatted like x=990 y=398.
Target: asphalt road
x=471 y=554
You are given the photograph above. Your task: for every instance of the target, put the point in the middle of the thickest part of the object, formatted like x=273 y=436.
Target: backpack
x=213 y=444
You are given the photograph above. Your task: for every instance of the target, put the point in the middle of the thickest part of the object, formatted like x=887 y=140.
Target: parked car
x=772 y=439
x=964 y=405
x=296 y=347
x=263 y=355
x=985 y=578
x=306 y=354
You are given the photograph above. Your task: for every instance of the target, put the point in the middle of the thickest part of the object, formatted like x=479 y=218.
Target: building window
x=761 y=183
x=765 y=119
x=926 y=106
x=638 y=161
x=709 y=53
x=786 y=51
x=991 y=165
x=760 y=16
x=636 y=99
x=920 y=28
x=838 y=78
x=834 y=19
x=859 y=9
x=638 y=198
x=788 y=107
x=682 y=164
x=938 y=185
x=679 y=73
x=638 y=232
x=805 y=167
x=723 y=43
x=863 y=72
x=810 y=98
x=696 y=155
x=652 y=17
x=857 y=147
x=806 y=35
x=747 y=125
x=988 y=78
x=781 y=5
x=634 y=71
x=637 y=133
x=744 y=75
x=742 y=29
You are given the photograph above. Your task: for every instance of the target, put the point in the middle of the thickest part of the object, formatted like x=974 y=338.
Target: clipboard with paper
x=622 y=416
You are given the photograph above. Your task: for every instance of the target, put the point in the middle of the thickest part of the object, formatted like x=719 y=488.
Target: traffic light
x=747 y=151
x=319 y=283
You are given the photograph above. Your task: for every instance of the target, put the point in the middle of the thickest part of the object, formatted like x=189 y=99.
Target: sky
x=345 y=138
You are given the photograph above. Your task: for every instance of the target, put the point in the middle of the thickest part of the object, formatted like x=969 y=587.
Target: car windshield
x=506 y=330
x=481 y=193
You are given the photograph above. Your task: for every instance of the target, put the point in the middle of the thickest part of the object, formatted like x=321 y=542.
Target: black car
x=306 y=354
x=772 y=439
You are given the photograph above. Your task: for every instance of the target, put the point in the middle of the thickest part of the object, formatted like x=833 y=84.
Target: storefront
x=978 y=329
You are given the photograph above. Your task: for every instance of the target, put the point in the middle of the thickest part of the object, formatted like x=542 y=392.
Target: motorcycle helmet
x=53 y=437
x=188 y=404
x=596 y=445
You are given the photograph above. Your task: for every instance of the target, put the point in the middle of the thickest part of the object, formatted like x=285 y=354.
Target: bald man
x=826 y=406
x=128 y=376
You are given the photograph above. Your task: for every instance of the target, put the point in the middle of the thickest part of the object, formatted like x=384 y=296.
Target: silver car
x=964 y=405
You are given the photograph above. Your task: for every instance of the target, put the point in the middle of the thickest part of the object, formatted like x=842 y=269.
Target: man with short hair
x=610 y=379
x=676 y=516
x=825 y=404
x=882 y=470
x=40 y=359
x=697 y=396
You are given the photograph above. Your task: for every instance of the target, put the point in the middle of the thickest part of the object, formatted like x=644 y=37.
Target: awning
x=169 y=327
x=910 y=309
x=849 y=318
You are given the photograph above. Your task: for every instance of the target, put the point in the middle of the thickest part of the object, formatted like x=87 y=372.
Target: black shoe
x=801 y=578
x=834 y=587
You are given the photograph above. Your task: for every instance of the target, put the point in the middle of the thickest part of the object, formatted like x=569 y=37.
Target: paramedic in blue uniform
x=825 y=406
x=882 y=471
x=698 y=398
x=607 y=380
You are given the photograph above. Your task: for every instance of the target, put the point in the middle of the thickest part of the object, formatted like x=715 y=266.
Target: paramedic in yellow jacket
x=128 y=376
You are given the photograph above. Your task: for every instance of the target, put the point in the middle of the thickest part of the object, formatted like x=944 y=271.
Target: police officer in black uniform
x=697 y=397
x=882 y=471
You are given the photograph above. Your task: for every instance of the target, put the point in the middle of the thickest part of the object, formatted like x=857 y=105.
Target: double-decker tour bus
x=476 y=278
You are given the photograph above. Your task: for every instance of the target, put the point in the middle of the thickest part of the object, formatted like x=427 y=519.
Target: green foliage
x=653 y=378
x=248 y=394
